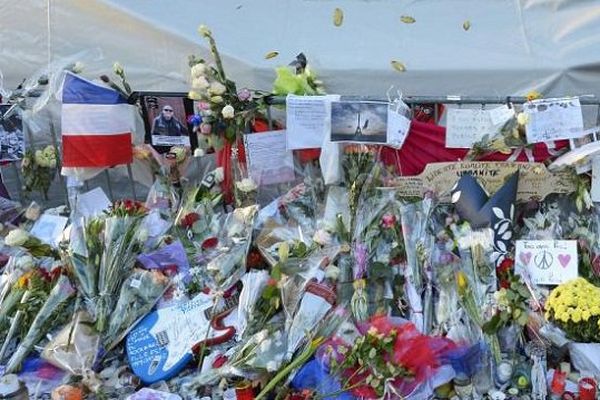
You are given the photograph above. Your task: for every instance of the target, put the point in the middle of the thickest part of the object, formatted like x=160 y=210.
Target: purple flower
x=194 y=120
x=360 y=256
x=244 y=94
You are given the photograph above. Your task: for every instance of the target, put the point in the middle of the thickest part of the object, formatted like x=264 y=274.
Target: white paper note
x=49 y=228
x=553 y=119
x=92 y=203
x=308 y=120
x=595 y=191
x=398 y=124
x=548 y=262
x=500 y=115
x=465 y=127
x=269 y=162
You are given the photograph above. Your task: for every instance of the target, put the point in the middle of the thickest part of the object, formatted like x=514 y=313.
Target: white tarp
x=513 y=46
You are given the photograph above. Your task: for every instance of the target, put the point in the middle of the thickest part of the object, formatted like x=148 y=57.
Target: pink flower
x=244 y=94
x=203 y=106
x=205 y=129
x=388 y=221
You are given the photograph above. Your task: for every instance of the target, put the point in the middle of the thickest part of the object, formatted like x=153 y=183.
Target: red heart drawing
x=564 y=259
x=525 y=258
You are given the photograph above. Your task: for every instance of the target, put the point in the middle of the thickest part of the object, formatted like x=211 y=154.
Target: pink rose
x=203 y=106
x=388 y=221
x=205 y=129
x=244 y=94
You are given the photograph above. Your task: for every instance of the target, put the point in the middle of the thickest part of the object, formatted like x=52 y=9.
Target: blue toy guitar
x=163 y=343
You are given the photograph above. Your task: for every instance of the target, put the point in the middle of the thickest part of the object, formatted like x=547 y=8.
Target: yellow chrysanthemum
x=576 y=316
x=585 y=315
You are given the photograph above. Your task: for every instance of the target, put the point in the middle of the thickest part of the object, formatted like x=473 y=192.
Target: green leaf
x=407 y=19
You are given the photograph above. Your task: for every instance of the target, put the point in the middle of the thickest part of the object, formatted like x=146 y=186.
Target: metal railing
x=115 y=186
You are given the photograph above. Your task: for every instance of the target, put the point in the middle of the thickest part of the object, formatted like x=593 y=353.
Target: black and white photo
x=353 y=121
x=12 y=146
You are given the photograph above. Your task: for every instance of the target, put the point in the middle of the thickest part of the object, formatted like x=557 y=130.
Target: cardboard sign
x=553 y=119
x=547 y=262
x=535 y=181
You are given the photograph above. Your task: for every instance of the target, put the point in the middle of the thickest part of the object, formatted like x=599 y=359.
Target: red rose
x=210 y=243
x=272 y=282
x=506 y=266
x=189 y=220
x=254 y=259
x=504 y=284
x=219 y=361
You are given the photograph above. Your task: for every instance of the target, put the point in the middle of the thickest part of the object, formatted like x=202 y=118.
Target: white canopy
x=512 y=46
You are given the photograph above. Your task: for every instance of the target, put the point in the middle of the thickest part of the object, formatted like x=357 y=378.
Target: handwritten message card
x=398 y=123
x=308 y=120
x=553 y=119
x=547 y=262
x=465 y=127
x=269 y=161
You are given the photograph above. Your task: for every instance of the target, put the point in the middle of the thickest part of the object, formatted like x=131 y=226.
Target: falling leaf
x=271 y=54
x=398 y=66
x=338 y=17
x=407 y=19
x=467 y=25
x=238 y=7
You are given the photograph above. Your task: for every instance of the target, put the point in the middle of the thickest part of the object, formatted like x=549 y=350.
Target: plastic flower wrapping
x=344 y=279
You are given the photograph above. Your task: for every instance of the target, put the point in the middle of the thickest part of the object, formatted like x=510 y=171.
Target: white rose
x=198 y=70
x=219 y=174
x=216 y=99
x=522 y=118
x=78 y=67
x=246 y=185
x=198 y=152
x=322 y=237
x=217 y=88
x=143 y=235
x=117 y=68
x=16 y=237
x=204 y=31
x=228 y=112
x=193 y=95
x=200 y=83
x=332 y=272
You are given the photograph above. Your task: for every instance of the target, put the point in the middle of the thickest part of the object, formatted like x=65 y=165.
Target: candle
x=587 y=389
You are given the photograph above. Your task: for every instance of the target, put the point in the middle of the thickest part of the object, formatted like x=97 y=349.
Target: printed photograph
x=166 y=123
x=364 y=122
x=12 y=143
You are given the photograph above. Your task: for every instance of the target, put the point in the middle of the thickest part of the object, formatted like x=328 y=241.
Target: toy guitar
x=161 y=345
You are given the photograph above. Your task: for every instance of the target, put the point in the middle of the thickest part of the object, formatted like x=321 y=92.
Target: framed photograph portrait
x=165 y=118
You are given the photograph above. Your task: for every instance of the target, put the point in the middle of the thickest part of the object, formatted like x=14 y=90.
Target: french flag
x=96 y=125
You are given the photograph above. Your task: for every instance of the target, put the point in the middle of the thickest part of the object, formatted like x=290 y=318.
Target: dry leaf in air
x=467 y=25
x=398 y=66
x=338 y=17
x=271 y=54
x=407 y=19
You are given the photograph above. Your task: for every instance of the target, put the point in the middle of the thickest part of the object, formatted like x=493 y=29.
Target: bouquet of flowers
x=48 y=316
x=102 y=253
x=139 y=293
x=22 y=238
x=511 y=302
x=386 y=359
x=225 y=111
x=121 y=243
x=38 y=169
x=575 y=308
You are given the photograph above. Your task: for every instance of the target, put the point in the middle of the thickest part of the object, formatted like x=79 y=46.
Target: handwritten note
x=269 y=162
x=49 y=228
x=465 y=127
x=308 y=120
x=398 y=124
x=547 y=262
x=92 y=203
x=553 y=119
